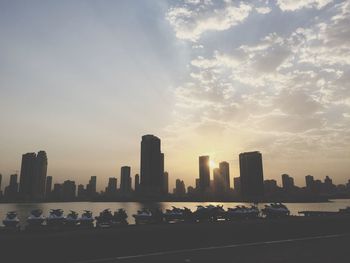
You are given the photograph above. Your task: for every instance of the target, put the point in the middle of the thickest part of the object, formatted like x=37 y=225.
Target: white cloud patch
x=193 y=18
x=263 y=10
x=293 y=5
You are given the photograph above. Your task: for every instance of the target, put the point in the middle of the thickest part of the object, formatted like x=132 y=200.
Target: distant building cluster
x=152 y=183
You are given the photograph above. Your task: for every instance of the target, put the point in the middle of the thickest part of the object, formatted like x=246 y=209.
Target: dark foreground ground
x=280 y=240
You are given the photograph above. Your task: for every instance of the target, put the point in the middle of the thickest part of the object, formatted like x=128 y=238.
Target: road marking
x=174 y=252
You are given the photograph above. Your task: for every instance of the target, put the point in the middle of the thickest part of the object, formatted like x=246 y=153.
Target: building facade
x=251 y=175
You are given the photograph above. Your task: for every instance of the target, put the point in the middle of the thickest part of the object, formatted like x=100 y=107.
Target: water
x=23 y=209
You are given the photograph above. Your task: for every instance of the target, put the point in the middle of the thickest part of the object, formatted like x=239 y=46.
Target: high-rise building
x=27 y=177
x=251 y=174
x=197 y=183
x=225 y=173
x=166 y=183
x=328 y=185
x=0 y=185
x=125 y=180
x=204 y=173
x=68 y=190
x=287 y=182
x=112 y=186
x=219 y=184
x=137 y=182
x=180 y=189
x=11 y=191
x=152 y=165
x=81 y=192
x=91 y=187
x=41 y=172
x=237 y=185
x=33 y=176
x=309 y=179
x=48 y=186
x=57 y=192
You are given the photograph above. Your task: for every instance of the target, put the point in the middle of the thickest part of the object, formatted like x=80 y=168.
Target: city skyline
x=212 y=178
x=214 y=79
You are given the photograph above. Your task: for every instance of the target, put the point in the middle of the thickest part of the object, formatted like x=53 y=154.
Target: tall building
x=11 y=191
x=219 y=184
x=81 y=192
x=27 y=177
x=137 y=182
x=237 y=185
x=225 y=173
x=287 y=182
x=112 y=186
x=91 y=187
x=204 y=173
x=180 y=188
x=125 y=180
x=68 y=190
x=152 y=165
x=41 y=172
x=251 y=175
x=57 y=192
x=166 y=183
x=0 y=185
x=309 y=180
x=33 y=176
x=48 y=187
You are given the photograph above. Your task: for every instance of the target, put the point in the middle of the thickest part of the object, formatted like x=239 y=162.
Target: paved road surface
x=320 y=249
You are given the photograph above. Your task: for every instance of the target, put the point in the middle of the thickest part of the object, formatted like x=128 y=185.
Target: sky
x=84 y=80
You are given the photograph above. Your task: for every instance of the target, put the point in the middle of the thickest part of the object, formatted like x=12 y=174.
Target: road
x=320 y=249
x=296 y=239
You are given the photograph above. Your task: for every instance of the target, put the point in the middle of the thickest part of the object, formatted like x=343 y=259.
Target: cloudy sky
x=84 y=80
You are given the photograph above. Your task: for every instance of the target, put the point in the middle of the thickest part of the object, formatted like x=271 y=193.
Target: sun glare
x=213 y=164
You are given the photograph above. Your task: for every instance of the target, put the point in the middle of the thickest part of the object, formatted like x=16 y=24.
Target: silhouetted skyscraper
x=225 y=173
x=219 y=184
x=125 y=180
x=41 y=172
x=91 y=187
x=68 y=190
x=27 y=177
x=48 y=186
x=204 y=173
x=137 y=182
x=180 y=189
x=152 y=165
x=287 y=182
x=251 y=175
x=81 y=192
x=309 y=179
x=11 y=191
x=166 y=182
x=112 y=186
x=33 y=175
x=237 y=185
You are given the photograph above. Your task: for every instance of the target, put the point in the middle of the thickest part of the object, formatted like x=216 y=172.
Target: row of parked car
x=106 y=218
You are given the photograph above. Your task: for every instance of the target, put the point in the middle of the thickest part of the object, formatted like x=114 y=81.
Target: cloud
x=263 y=10
x=293 y=5
x=285 y=89
x=193 y=18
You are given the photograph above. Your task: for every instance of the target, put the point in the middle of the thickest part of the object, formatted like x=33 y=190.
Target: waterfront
x=23 y=209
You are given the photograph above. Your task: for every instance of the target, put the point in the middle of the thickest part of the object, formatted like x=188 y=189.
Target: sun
x=213 y=164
